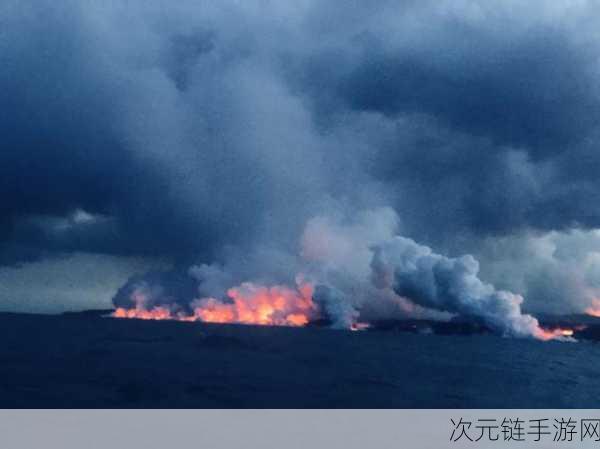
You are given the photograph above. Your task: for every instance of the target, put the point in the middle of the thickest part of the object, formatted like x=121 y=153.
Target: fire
x=252 y=304
x=141 y=312
x=156 y=313
x=247 y=303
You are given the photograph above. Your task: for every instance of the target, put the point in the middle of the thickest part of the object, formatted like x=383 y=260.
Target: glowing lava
x=255 y=304
x=247 y=303
x=277 y=305
x=141 y=312
x=156 y=313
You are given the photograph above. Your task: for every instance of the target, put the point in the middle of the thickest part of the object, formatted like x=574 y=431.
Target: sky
x=138 y=137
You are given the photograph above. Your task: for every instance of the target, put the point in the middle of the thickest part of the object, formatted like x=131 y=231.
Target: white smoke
x=367 y=266
x=449 y=284
x=359 y=269
x=337 y=252
x=335 y=306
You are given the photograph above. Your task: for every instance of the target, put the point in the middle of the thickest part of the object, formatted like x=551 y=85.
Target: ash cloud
x=210 y=136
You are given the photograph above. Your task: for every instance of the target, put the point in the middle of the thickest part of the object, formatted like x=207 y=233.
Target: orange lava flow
x=248 y=304
x=255 y=304
x=156 y=313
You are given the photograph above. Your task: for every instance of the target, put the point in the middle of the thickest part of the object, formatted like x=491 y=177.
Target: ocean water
x=89 y=361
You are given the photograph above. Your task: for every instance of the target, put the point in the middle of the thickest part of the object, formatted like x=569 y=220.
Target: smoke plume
x=205 y=146
x=352 y=271
x=450 y=284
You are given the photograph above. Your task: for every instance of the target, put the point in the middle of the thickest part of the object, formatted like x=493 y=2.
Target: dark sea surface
x=86 y=361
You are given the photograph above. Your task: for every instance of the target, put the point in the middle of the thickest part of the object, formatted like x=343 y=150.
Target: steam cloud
x=211 y=139
x=357 y=265
x=449 y=284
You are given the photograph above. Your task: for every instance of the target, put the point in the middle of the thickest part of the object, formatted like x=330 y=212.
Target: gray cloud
x=211 y=135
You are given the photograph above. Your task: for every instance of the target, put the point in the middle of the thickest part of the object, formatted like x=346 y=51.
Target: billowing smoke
x=208 y=139
x=336 y=307
x=352 y=271
x=157 y=288
x=450 y=284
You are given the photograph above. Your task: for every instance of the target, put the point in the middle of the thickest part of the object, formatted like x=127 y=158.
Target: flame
x=278 y=305
x=254 y=304
x=247 y=303
x=156 y=313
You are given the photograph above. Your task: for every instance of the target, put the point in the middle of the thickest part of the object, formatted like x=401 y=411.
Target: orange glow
x=156 y=313
x=297 y=319
x=554 y=334
x=248 y=304
x=255 y=304
x=594 y=309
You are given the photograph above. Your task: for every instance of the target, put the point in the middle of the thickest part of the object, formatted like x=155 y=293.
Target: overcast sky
x=141 y=135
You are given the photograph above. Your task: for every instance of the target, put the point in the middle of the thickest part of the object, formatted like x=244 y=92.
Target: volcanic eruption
x=247 y=304
x=353 y=271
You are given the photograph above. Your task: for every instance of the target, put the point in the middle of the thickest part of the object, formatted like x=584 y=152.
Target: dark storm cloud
x=190 y=129
x=490 y=111
x=122 y=117
x=538 y=92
